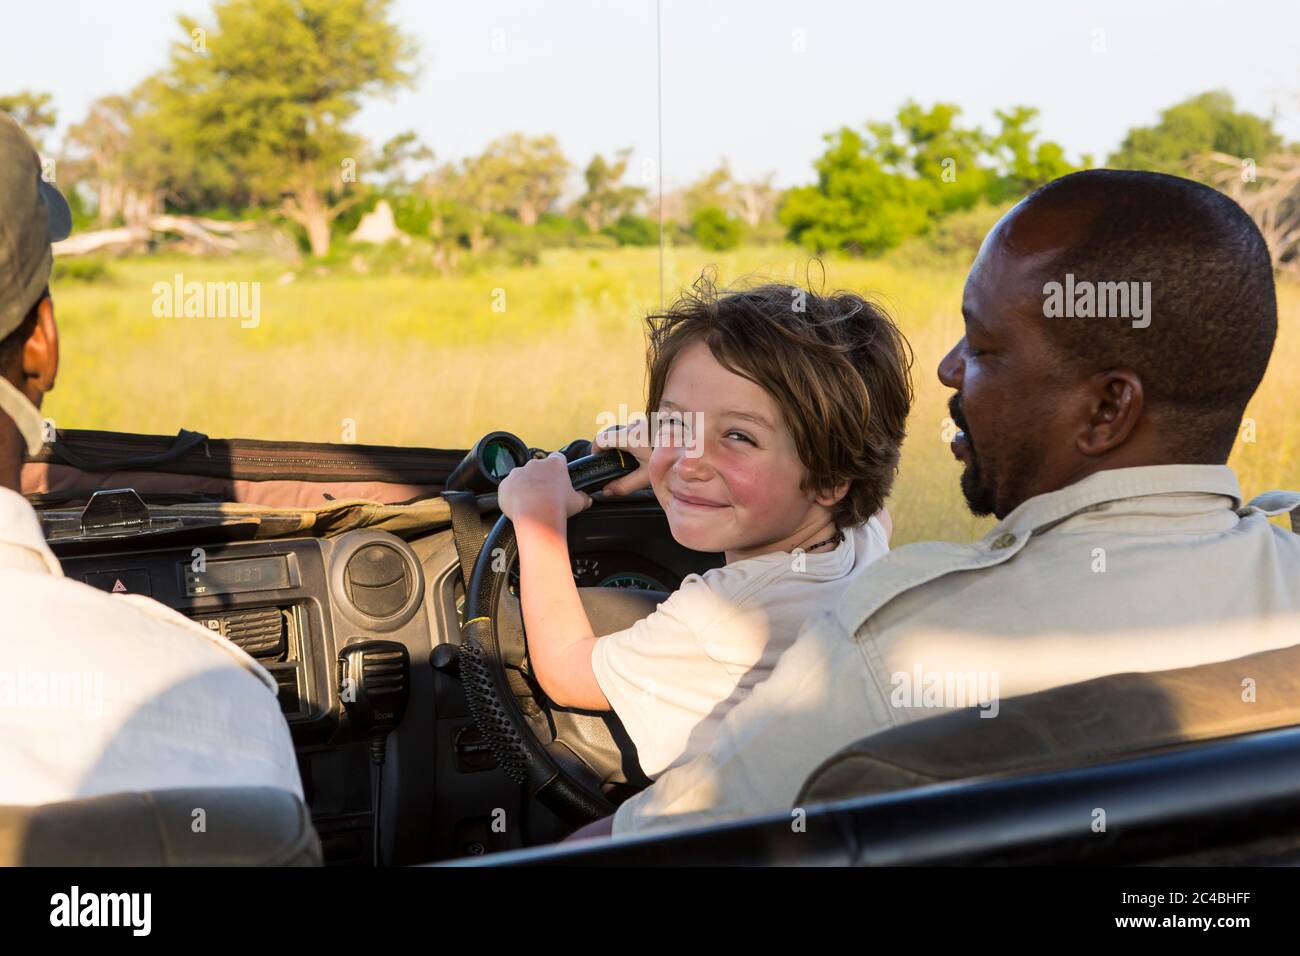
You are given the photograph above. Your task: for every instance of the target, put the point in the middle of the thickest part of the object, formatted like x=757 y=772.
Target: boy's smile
x=736 y=486
x=693 y=502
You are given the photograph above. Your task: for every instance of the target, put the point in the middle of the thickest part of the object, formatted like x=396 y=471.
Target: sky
x=758 y=82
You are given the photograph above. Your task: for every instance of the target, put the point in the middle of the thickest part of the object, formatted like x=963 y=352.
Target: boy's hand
x=635 y=440
x=540 y=489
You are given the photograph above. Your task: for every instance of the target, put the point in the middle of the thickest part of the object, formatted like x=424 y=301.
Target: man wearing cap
x=1097 y=431
x=99 y=693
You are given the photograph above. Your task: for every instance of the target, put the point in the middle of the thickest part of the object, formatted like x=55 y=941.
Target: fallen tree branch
x=210 y=234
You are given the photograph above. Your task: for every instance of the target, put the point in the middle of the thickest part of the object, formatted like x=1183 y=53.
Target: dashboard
x=613 y=569
x=295 y=604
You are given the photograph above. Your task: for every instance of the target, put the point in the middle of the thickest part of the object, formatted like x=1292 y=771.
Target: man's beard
x=979 y=498
x=979 y=494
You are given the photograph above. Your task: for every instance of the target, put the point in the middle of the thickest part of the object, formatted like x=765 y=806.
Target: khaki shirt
x=1128 y=570
x=110 y=693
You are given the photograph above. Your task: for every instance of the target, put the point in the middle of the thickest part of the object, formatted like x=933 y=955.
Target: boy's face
x=734 y=487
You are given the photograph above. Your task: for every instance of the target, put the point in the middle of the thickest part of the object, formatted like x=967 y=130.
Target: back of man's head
x=33 y=215
x=1201 y=333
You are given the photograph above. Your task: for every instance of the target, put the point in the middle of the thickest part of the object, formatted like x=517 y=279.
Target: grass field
x=428 y=361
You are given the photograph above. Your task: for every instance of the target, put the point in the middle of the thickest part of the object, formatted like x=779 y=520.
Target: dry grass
x=426 y=361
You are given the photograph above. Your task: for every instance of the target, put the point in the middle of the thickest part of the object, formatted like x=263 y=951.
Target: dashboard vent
x=260 y=631
x=286 y=678
x=378 y=581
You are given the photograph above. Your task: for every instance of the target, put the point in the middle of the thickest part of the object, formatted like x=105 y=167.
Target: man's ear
x=41 y=354
x=1115 y=404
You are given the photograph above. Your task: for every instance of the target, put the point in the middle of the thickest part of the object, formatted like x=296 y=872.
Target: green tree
x=712 y=190
x=714 y=229
x=752 y=202
x=99 y=152
x=607 y=198
x=399 y=156
x=631 y=230
x=33 y=111
x=1208 y=123
x=127 y=154
x=1023 y=164
x=167 y=158
x=857 y=205
x=519 y=175
x=756 y=201
x=270 y=89
x=457 y=220
x=930 y=146
x=462 y=204
x=876 y=189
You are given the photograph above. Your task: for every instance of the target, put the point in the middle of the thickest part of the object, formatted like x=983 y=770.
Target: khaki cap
x=33 y=214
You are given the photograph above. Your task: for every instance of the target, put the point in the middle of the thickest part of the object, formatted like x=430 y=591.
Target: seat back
x=216 y=826
x=1097 y=720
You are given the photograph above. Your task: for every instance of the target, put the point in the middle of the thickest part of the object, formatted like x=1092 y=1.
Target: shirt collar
x=22 y=543
x=1043 y=511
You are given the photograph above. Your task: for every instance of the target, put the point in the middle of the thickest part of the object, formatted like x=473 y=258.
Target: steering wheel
x=576 y=763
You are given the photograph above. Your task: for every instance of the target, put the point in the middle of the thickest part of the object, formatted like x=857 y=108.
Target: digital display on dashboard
x=237 y=576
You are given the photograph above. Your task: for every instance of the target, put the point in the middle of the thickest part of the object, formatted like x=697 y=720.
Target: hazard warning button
x=126 y=581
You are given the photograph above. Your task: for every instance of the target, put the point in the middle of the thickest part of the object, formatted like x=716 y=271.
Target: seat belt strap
x=466 y=530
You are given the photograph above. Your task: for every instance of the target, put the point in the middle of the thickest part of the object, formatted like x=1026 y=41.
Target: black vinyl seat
x=217 y=826
x=1103 y=719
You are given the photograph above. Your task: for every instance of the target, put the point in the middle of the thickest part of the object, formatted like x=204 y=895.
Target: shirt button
x=1003 y=541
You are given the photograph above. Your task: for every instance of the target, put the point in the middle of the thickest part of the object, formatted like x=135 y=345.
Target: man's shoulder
x=73 y=610
x=1008 y=563
x=921 y=565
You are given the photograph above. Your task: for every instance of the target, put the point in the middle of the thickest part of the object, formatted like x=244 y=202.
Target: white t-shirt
x=671 y=677
x=112 y=693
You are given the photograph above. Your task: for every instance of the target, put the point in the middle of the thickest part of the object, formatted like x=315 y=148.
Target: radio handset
x=374 y=685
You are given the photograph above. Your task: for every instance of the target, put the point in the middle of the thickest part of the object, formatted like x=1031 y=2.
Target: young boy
x=780 y=415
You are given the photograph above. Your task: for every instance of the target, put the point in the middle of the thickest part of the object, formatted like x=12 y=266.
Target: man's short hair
x=836 y=366
x=1213 y=306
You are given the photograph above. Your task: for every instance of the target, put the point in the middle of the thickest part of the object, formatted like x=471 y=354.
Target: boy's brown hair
x=836 y=365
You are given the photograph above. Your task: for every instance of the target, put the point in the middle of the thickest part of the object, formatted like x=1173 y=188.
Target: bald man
x=1117 y=323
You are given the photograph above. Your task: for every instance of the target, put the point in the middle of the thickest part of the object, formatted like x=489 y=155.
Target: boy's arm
x=539 y=498
x=560 y=641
